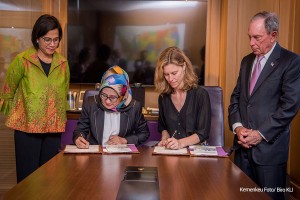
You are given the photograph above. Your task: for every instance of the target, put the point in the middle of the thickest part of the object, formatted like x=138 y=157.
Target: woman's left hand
x=173 y=143
x=114 y=139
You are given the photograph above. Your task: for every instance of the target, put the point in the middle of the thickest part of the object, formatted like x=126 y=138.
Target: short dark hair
x=42 y=26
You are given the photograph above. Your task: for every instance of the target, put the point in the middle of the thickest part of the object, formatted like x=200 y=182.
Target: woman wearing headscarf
x=112 y=117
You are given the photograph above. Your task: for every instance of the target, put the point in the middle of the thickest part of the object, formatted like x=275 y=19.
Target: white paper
x=203 y=150
x=163 y=150
x=122 y=148
x=75 y=149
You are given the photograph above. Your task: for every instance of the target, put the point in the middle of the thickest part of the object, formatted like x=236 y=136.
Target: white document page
x=122 y=148
x=75 y=149
x=203 y=150
x=163 y=150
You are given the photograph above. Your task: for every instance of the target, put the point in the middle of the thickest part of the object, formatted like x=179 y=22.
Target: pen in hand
x=168 y=140
x=82 y=143
x=174 y=133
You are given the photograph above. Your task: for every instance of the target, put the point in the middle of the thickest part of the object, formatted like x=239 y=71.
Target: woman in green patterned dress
x=34 y=97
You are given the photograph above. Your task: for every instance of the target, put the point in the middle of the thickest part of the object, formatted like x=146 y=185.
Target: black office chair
x=89 y=93
x=216 y=135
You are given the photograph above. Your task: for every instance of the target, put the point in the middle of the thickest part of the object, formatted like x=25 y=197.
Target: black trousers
x=33 y=150
x=271 y=178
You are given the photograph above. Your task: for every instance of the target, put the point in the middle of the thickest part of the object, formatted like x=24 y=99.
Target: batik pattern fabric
x=117 y=79
x=33 y=101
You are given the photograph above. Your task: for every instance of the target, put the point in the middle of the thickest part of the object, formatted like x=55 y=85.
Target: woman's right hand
x=82 y=143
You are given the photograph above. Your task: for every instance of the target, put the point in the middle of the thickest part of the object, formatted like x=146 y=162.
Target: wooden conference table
x=97 y=176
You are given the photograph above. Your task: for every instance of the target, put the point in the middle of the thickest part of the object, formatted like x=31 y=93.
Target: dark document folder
x=139 y=183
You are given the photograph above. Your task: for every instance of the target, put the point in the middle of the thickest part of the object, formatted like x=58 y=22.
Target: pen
x=174 y=133
x=171 y=137
x=205 y=145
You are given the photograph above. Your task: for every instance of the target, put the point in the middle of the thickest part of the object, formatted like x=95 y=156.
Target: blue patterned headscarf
x=117 y=79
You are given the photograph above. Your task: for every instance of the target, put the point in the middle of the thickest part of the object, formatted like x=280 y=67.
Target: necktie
x=255 y=74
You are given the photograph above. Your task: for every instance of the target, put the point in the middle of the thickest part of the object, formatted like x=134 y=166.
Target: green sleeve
x=13 y=77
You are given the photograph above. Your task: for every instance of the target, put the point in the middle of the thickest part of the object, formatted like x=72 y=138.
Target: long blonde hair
x=174 y=55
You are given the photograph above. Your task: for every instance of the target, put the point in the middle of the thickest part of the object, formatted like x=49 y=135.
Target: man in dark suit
x=260 y=113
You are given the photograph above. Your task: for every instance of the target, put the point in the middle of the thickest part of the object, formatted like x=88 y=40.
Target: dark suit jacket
x=274 y=102
x=133 y=125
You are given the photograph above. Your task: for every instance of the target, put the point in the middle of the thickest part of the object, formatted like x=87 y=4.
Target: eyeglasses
x=48 y=40
x=112 y=98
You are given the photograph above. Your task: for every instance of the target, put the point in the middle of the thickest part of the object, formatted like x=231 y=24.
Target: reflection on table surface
x=97 y=176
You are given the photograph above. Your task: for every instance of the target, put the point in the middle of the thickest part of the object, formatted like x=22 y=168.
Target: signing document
x=75 y=149
x=201 y=150
x=164 y=150
x=121 y=148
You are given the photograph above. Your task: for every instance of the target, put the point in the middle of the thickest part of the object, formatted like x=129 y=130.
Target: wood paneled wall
x=227 y=43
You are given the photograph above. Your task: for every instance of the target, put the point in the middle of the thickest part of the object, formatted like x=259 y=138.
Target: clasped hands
x=248 y=137
x=82 y=143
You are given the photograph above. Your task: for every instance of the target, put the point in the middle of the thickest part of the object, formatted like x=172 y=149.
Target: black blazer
x=274 y=102
x=133 y=125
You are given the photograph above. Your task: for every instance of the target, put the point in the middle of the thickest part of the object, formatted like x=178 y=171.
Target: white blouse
x=111 y=125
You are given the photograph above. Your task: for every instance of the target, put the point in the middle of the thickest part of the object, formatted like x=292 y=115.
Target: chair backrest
x=138 y=93
x=216 y=135
x=89 y=93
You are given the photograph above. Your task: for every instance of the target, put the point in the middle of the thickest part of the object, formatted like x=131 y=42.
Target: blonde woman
x=184 y=107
